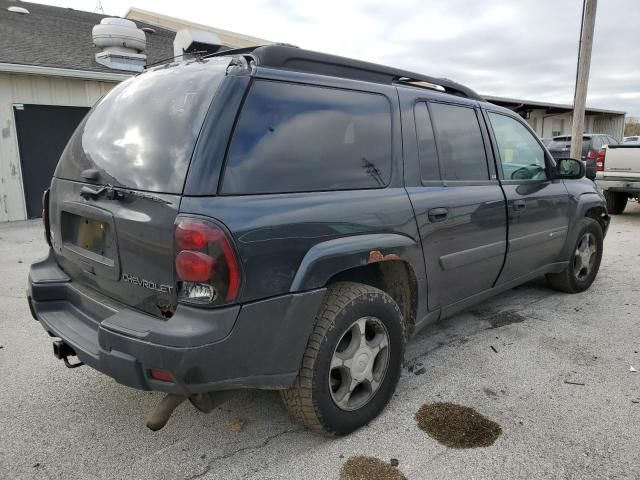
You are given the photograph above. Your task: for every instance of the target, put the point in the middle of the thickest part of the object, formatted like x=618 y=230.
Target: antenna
x=99 y=8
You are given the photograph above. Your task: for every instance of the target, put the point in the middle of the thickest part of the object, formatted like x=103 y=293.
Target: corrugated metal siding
x=607 y=123
x=610 y=124
x=31 y=89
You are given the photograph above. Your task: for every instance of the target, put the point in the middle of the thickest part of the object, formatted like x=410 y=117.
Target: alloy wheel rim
x=584 y=257
x=359 y=363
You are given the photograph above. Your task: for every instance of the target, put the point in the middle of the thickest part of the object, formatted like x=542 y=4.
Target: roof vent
x=122 y=44
x=20 y=10
x=189 y=41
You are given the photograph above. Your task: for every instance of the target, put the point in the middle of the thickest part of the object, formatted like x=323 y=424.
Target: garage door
x=43 y=132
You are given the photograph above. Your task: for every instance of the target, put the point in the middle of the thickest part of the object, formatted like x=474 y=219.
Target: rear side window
x=459 y=140
x=426 y=144
x=296 y=138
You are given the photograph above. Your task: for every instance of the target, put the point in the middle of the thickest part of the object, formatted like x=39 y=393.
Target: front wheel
x=352 y=363
x=584 y=262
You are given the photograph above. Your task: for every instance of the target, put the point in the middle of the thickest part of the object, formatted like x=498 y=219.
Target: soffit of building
x=551 y=107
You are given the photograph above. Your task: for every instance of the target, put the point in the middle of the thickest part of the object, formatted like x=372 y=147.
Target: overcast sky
x=523 y=49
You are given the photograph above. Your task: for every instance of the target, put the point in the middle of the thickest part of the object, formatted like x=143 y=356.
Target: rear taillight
x=45 y=216
x=600 y=160
x=206 y=263
x=591 y=153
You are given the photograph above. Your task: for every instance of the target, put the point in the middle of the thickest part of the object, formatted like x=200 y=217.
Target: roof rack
x=293 y=58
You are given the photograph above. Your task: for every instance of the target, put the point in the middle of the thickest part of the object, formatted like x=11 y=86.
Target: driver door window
x=521 y=155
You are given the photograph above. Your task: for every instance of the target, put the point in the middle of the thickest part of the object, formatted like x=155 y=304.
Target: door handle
x=519 y=205
x=438 y=214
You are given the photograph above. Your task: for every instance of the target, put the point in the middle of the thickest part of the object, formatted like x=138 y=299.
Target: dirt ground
x=553 y=371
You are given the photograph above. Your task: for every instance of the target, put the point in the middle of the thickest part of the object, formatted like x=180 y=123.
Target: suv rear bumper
x=255 y=345
x=626 y=186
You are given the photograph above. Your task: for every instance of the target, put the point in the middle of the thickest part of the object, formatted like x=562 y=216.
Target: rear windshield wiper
x=113 y=193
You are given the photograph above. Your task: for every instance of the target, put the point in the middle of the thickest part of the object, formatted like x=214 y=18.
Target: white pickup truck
x=618 y=175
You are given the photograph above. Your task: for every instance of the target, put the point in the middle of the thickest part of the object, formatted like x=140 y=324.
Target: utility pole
x=582 y=76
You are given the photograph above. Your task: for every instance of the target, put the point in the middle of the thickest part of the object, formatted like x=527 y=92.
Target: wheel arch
x=589 y=205
x=390 y=262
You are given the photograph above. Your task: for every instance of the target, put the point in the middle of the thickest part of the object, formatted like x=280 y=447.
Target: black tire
x=616 y=202
x=310 y=400
x=569 y=280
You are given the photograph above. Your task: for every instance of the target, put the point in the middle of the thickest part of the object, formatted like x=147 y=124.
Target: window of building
x=557 y=127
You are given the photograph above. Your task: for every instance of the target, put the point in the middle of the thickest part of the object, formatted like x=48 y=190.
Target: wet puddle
x=369 y=468
x=456 y=426
x=498 y=319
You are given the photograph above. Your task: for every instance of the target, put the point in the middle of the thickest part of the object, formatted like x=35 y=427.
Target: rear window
x=559 y=143
x=142 y=133
x=296 y=138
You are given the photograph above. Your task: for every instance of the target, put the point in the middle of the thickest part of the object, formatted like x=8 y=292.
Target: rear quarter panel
x=274 y=232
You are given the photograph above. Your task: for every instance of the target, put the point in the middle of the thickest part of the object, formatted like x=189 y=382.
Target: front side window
x=522 y=156
x=459 y=141
x=297 y=138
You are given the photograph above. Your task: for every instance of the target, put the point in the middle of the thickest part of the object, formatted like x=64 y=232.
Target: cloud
x=526 y=49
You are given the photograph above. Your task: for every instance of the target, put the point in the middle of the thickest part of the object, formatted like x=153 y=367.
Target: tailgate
x=117 y=188
x=622 y=161
x=122 y=248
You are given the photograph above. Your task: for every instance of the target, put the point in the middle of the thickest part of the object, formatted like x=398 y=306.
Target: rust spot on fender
x=378 y=256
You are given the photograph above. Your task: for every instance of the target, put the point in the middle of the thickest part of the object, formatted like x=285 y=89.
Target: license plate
x=86 y=233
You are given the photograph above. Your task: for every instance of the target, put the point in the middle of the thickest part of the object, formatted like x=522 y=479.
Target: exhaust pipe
x=205 y=402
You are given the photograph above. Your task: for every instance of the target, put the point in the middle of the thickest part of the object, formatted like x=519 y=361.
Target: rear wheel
x=584 y=262
x=616 y=202
x=351 y=366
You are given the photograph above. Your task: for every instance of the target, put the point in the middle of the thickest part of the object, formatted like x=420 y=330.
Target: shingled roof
x=61 y=38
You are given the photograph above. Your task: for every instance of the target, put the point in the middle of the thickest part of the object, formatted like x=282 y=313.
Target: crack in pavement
x=233 y=453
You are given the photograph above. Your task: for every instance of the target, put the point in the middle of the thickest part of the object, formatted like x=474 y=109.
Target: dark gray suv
x=276 y=218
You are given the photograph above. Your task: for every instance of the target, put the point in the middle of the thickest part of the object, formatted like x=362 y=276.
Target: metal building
x=554 y=119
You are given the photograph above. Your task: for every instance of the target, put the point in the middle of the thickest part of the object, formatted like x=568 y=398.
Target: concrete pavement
x=509 y=359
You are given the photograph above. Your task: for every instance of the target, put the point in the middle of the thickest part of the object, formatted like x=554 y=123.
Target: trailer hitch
x=62 y=351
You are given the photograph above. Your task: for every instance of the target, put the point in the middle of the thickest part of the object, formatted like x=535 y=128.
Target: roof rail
x=293 y=58
x=234 y=51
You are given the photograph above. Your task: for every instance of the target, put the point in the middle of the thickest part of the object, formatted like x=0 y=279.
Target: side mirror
x=571 y=169
x=591 y=170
